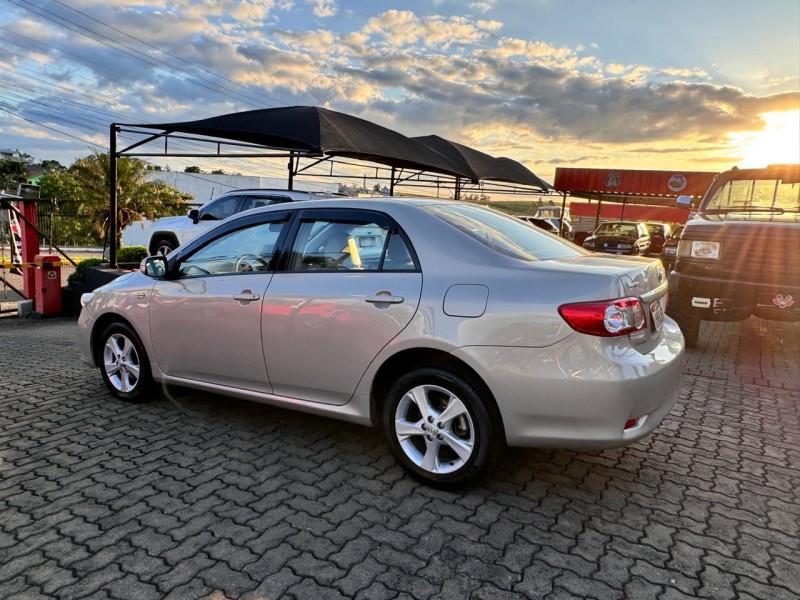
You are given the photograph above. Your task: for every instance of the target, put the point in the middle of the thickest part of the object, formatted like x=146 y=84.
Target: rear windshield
x=504 y=233
x=619 y=229
x=754 y=194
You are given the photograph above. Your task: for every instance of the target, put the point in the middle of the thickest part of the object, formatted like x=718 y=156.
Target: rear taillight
x=606 y=318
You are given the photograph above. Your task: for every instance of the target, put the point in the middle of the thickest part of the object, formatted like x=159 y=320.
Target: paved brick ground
x=192 y=496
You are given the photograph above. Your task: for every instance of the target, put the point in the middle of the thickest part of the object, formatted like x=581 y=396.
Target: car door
x=205 y=323
x=349 y=285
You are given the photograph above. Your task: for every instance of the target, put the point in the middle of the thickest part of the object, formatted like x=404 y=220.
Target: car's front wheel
x=440 y=429
x=164 y=246
x=124 y=364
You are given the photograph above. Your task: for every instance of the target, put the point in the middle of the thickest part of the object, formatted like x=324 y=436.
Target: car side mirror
x=194 y=215
x=154 y=266
x=684 y=202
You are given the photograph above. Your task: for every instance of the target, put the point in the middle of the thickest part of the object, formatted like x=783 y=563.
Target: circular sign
x=51 y=274
x=677 y=183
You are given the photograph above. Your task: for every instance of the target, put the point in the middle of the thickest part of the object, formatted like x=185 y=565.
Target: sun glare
x=777 y=143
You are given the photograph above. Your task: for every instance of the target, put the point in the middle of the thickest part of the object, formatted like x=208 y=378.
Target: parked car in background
x=659 y=234
x=545 y=224
x=669 y=251
x=166 y=234
x=553 y=214
x=516 y=337
x=619 y=237
x=738 y=254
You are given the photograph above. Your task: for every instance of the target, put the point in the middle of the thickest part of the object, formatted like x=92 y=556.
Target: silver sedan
x=457 y=329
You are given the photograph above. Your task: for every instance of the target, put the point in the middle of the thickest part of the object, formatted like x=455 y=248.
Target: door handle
x=246 y=296
x=384 y=298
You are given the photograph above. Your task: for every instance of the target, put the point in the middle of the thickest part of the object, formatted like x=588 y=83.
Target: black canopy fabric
x=516 y=172
x=482 y=165
x=315 y=131
x=318 y=131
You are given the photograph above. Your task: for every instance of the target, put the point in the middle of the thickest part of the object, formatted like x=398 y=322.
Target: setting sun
x=777 y=143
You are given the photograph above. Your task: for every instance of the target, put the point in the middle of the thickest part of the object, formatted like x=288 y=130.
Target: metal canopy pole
x=291 y=171
x=597 y=217
x=112 y=185
x=561 y=220
x=391 y=183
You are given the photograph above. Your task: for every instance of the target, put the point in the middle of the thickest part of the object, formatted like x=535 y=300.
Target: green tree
x=218 y=172
x=193 y=169
x=67 y=226
x=12 y=172
x=53 y=165
x=137 y=197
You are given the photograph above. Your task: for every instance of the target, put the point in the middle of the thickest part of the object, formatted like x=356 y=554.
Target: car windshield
x=755 y=195
x=618 y=229
x=504 y=233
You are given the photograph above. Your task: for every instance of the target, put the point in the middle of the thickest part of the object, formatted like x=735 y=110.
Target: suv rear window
x=504 y=233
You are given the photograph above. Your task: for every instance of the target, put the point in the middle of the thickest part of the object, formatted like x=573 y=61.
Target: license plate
x=657 y=312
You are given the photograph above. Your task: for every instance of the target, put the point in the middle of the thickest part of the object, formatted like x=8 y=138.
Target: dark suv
x=739 y=254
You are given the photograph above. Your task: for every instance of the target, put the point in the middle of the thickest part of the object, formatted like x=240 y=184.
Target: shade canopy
x=319 y=131
x=480 y=165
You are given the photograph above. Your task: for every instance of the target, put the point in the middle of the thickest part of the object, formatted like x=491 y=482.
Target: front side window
x=220 y=209
x=248 y=250
x=504 y=233
x=351 y=245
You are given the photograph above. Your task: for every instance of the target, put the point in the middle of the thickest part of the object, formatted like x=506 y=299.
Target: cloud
x=455 y=76
x=324 y=8
x=402 y=28
x=482 y=7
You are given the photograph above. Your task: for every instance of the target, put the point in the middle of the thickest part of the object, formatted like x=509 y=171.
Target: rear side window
x=259 y=201
x=349 y=245
x=504 y=233
x=220 y=209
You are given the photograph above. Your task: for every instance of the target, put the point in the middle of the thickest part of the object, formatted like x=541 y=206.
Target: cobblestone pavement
x=194 y=496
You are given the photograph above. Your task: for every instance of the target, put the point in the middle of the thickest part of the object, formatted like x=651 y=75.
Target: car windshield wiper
x=725 y=211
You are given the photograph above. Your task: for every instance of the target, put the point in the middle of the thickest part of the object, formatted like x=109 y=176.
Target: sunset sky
x=682 y=85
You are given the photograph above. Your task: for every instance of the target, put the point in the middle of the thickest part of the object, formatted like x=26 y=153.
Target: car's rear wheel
x=440 y=429
x=123 y=363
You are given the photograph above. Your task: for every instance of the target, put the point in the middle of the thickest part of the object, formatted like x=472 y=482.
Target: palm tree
x=137 y=197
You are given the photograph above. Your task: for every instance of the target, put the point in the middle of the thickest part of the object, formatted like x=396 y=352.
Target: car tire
x=124 y=364
x=689 y=322
x=448 y=453
x=163 y=246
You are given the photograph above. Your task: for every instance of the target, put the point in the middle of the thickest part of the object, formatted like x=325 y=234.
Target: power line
x=53 y=129
x=154 y=62
x=169 y=53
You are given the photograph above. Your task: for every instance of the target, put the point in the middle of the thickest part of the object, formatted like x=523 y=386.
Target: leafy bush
x=80 y=269
x=131 y=254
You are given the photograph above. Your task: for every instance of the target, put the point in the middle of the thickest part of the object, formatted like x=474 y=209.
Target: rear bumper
x=712 y=295
x=580 y=392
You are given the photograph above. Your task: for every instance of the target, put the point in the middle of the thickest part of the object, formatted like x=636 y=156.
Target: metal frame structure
x=396 y=176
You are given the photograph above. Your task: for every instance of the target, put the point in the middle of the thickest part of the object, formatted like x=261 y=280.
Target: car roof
x=276 y=190
x=378 y=204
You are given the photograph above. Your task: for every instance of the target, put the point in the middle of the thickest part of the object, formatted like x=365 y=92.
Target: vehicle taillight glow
x=606 y=318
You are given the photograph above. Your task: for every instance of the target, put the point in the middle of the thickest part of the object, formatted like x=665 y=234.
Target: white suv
x=170 y=232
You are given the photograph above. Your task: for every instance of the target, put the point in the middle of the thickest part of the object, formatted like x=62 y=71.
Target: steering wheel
x=245 y=264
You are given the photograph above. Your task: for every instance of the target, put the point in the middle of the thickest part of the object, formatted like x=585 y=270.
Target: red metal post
x=30 y=245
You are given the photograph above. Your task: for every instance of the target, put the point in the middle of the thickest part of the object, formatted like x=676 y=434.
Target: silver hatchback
x=457 y=329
